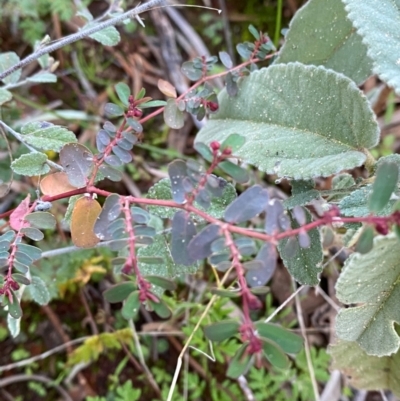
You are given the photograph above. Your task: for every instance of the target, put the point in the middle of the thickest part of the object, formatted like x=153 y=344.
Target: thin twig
x=306 y=344
x=38 y=378
x=146 y=369
x=81 y=35
x=283 y=305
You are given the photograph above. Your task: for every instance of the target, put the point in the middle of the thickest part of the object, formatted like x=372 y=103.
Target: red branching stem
x=131 y=262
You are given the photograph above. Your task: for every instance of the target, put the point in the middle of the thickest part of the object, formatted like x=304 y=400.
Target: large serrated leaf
x=365 y=371
x=299 y=121
x=377 y=22
x=372 y=281
x=305 y=264
x=108 y=36
x=31 y=164
x=162 y=190
x=46 y=136
x=321 y=34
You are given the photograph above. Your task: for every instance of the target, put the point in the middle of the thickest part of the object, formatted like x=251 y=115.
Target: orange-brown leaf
x=166 y=88
x=55 y=184
x=83 y=218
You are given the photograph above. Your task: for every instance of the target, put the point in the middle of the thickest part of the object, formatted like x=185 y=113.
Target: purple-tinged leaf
x=110 y=212
x=124 y=144
x=111 y=173
x=300 y=215
x=110 y=127
x=135 y=125
x=226 y=59
x=203 y=198
x=219 y=245
x=103 y=137
x=231 y=85
x=139 y=215
x=200 y=246
x=124 y=155
x=130 y=137
x=267 y=255
x=304 y=239
x=183 y=231
x=187 y=185
x=274 y=210
x=247 y=205
x=113 y=160
x=246 y=246
x=113 y=110
x=216 y=258
x=177 y=173
x=77 y=161
x=100 y=146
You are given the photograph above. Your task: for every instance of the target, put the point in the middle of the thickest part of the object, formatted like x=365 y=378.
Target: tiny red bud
x=131 y=99
x=137 y=113
x=213 y=106
x=14 y=285
x=227 y=151
x=254 y=303
x=215 y=145
x=382 y=228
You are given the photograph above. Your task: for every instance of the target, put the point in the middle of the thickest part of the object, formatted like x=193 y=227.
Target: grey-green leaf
x=173 y=117
x=46 y=136
x=377 y=22
x=8 y=60
x=108 y=36
x=321 y=34
x=41 y=220
x=31 y=164
x=372 y=282
x=299 y=121
x=43 y=77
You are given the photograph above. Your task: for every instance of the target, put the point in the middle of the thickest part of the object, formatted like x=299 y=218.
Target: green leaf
x=275 y=355
x=131 y=306
x=32 y=233
x=162 y=190
x=372 y=282
x=113 y=110
x=366 y=240
x=289 y=342
x=222 y=330
x=119 y=292
x=38 y=291
x=254 y=32
x=46 y=136
x=161 y=309
x=8 y=60
x=32 y=251
x=321 y=34
x=377 y=22
x=14 y=308
x=173 y=117
x=306 y=263
x=123 y=92
x=108 y=36
x=356 y=204
x=234 y=142
x=385 y=183
x=31 y=164
x=14 y=325
x=5 y=96
x=365 y=371
x=239 y=363
x=238 y=173
x=161 y=282
x=43 y=77
x=299 y=121
x=41 y=220
x=303 y=193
